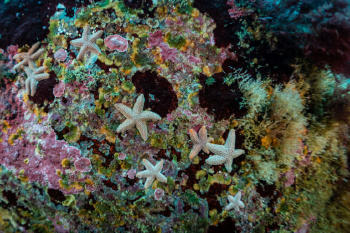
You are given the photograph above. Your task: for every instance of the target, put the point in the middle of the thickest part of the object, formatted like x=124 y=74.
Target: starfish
x=33 y=77
x=199 y=143
x=235 y=202
x=152 y=172
x=136 y=116
x=28 y=58
x=224 y=154
x=87 y=43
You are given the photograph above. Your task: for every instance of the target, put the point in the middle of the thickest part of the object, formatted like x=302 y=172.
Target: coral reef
x=175 y=116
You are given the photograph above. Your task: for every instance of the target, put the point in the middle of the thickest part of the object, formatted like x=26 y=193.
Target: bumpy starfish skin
x=235 y=202
x=199 y=143
x=224 y=154
x=28 y=58
x=33 y=77
x=87 y=43
x=136 y=116
x=152 y=172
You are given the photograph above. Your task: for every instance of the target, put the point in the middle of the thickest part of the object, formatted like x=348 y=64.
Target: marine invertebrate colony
x=176 y=116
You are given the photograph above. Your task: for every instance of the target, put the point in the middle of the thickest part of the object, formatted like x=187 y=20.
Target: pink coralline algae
x=60 y=55
x=116 y=42
x=290 y=176
x=158 y=194
x=121 y=156
x=131 y=173
x=155 y=38
x=58 y=90
x=235 y=12
x=82 y=164
x=12 y=50
x=30 y=148
x=168 y=54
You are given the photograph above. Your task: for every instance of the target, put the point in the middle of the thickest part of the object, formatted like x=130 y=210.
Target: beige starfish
x=87 y=43
x=33 y=77
x=136 y=116
x=152 y=172
x=28 y=58
x=199 y=143
x=224 y=154
x=235 y=202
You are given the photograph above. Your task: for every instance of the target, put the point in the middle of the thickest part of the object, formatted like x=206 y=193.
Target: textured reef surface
x=175 y=116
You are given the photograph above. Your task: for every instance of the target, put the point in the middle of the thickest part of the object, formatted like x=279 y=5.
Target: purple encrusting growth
x=29 y=146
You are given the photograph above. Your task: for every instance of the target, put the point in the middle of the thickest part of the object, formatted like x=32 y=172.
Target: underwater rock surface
x=175 y=116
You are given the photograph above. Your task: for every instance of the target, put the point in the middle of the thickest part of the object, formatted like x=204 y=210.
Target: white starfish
x=235 y=202
x=136 y=116
x=87 y=43
x=33 y=77
x=28 y=58
x=152 y=172
x=199 y=143
x=224 y=154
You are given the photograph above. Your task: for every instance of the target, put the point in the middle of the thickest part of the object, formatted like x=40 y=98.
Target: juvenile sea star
x=235 y=202
x=224 y=154
x=136 y=116
x=87 y=43
x=152 y=172
x=28 y=58
x=33 y=77
x=199 y=143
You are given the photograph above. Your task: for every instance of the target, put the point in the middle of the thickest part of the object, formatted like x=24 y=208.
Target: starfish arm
x=161 y=178
x=238 y=152
x=194 y=136
x=149 y=166
x=33 y=84
x=82 y=52
x=205 y=149
x=143 y=174
x=19 y=65
x=39 y=70
x=228 y=164
x=28 y=71
x=126 y=125
x=229 y=207
x=34 y=47
x=215 y=160
x=77 y=42
x=230 y=198
x=138 y=106
x=93 y=48
x=159 y=166
x=217 y=149
x=149 y=181
x=231 y=139
x=37 y=54
x=96 y=35
x=18 y=56
x=125 y=110
x=40 y=77
x=195 y=150
x=241 y=204
x=148 y=115
x=31 y=64
x=203 y=134
x=238 y=196
x=142 y=128
x=27 y=84
x=86 y=31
